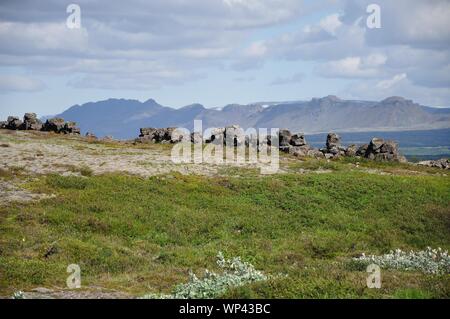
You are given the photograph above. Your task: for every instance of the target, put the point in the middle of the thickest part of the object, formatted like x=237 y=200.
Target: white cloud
x=354 y=67
x=20 y=83
x=256 y=49
x=140 y=40
x=296 y=78
x=389 y=83
x=330 y=23
x=398 y=85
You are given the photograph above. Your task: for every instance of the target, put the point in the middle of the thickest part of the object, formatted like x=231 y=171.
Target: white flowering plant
x=430 y=261
x=235 y=273
x=18 y=295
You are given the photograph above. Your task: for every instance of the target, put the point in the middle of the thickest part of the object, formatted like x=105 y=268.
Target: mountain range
x=122 y=118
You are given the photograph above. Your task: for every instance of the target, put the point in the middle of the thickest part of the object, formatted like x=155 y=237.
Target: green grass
x=143 y=235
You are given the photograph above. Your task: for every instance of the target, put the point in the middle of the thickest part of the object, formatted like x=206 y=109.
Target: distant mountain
x=122 y=118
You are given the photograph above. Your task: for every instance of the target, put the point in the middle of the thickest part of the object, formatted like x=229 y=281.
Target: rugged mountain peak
x=151 y=102
x=395 y=99
x=327 y=100
x=331 y=98
x=195 y=106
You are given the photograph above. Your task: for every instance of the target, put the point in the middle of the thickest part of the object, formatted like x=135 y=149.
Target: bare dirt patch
x=11 y=192
x=46 y=154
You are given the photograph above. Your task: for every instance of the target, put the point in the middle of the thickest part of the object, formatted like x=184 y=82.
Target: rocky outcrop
x=71 y=128
x=91 y=136
x=333 y=147
x=58 y=125
x=382 y=150
x=443 y=163
x=13 y=123
x=32 y=123
x=159 y=135
x=351 y=150
x=295 y=144
x=234 y=135
x=53 y=125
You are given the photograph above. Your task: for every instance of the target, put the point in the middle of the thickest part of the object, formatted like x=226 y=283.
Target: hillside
x=122 y=118
x=136 y=223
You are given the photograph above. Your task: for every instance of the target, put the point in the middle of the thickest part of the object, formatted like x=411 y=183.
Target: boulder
x=333 y=141
x=298 y=139
x=216 y=135
x=284 y=138
x=315 y=153
x=160 y=135
x=443 y=163
x=299 y=151
x=3 y=124
x=178 y=135
x=351 y=150
x=90 y=135
x=381 y=150
x=54 y=125
x=375 y=145
x=333 y=146
x=70 y=128
x=13 y=123
x=362 y=150
x=31 y=122
x=196 y=138
x=235 y=135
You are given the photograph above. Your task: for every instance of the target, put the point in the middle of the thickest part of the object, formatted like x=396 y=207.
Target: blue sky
x=217 y=52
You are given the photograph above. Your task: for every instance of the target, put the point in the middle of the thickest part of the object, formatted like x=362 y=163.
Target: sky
x=218 y=52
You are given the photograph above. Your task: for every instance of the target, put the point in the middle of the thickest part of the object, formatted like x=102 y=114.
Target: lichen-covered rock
x=375 y=145
x=70 y=128
x=13 y=123
x=90 y=135
x=298 y=139
x=299 y=151
x=362 y=150
x=160 y=135
x=284 y=138
x=381 y=150
x=351 y=150
x=333 y=141
x=443 y=163
x=313 y=152
x=333 y=146
x=216 y=135
x=31 y=122
x=234 y=135
x=196 y=138
x=54 y=125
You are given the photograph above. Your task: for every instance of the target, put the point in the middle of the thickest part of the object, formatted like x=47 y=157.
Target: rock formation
x=443 y=163
x=32 y=123
x=333 y=147
x=13 y=123
x=381 y=150
x=159 y=135
x=295 y=144
x=54 y=125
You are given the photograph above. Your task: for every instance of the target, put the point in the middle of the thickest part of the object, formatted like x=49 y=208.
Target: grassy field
x=142 y=235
